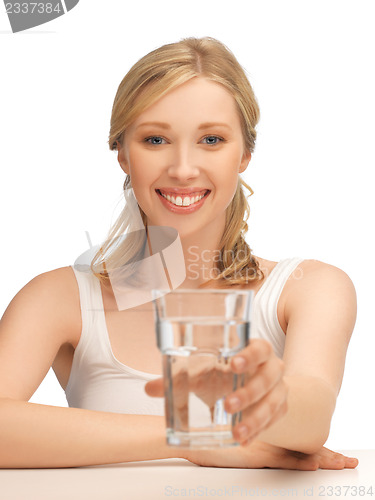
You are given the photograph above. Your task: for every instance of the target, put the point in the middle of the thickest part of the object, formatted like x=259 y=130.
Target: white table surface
x=176 y=478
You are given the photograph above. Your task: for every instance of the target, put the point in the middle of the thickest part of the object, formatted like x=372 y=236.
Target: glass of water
x=198 y=332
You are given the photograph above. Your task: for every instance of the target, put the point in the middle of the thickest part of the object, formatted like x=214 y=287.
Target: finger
x=255 y=435
x=257 y=387
x=277 y=415
x=248 y=360
x=336 y=461
x=155 y=388
x=261 y=415
x=351 y=462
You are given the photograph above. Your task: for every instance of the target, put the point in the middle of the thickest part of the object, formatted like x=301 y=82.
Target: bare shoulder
x=61 y=278
x=53 y=295
x=61 y=285
x=313 y=278
x=42 y=318
x=311 y=270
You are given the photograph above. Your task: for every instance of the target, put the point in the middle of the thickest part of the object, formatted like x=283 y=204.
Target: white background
x=311 y=67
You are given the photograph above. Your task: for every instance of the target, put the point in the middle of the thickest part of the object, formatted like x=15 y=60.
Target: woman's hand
x=259 y=455
x=262 y=400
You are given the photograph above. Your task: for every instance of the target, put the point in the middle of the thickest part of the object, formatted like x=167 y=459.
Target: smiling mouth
x=184 y=200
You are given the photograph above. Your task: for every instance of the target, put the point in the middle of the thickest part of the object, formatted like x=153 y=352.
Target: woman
x=183 y=124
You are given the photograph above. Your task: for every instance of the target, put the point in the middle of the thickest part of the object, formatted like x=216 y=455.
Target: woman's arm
x=320 y=313
x=39 y=436
x=44 y=315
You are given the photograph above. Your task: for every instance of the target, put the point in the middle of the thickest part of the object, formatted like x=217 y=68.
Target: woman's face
x=187 y=145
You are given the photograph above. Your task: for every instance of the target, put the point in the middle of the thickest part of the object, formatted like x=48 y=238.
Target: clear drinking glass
x=198 y=332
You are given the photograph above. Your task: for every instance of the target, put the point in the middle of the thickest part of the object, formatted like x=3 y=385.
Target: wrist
x=169 y=451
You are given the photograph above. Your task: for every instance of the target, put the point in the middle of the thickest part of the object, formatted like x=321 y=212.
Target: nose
x=183 y=167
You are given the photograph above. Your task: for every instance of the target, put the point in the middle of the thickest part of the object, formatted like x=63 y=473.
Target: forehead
x=198 y=99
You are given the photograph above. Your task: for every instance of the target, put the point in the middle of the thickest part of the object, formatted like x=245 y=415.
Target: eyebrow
x=214 y=124
x=202 y=126
x=157 y=124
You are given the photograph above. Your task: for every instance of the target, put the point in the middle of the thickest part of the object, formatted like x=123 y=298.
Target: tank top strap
x=89 y=291
x=91 y=304
x=265 y=322
x=275 y=281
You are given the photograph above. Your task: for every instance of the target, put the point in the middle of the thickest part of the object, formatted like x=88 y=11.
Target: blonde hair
x=147 y=81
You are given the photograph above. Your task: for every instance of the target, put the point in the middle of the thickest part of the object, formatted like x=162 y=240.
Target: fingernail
x=239 y=363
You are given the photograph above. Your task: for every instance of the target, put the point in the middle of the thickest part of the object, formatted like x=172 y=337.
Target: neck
x=201 y=250
x=201 y=253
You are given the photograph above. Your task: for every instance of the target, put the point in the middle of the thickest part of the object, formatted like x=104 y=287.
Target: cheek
x=230 y=190
x=227 y=171
x=141 y=170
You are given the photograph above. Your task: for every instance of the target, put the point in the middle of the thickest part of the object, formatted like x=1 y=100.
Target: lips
x=178 y=201
x=184 y=197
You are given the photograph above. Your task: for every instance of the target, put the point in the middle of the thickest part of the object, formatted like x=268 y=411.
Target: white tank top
x=99 y=381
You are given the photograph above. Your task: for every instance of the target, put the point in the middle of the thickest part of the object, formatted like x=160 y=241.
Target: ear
x=121 y=158
x=244 y=162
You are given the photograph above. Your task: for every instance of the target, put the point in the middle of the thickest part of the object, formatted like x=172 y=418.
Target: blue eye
x=155 y=140
x=212 y=140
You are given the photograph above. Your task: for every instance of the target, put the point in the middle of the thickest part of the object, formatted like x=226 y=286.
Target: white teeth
x=187 y=201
